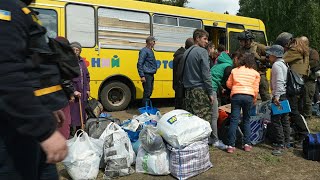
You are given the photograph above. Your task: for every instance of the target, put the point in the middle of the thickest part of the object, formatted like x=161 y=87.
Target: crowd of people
x=209 y=78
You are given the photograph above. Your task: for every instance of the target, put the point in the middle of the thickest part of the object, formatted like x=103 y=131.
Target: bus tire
x=115 y=96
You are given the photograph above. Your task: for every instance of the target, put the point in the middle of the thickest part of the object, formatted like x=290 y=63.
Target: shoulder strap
x=184 y=65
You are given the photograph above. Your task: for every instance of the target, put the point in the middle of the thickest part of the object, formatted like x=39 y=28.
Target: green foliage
x=299 y=17
x=180 y=3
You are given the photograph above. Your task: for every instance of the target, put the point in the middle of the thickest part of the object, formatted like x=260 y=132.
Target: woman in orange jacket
x=244 y=84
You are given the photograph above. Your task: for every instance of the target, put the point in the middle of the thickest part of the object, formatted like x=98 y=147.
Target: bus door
x=233 y=31
x=217 y=35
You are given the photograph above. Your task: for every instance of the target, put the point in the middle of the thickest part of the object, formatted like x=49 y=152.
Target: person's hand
x=143 y=79
x=55 y=148
x=71 y=98
x=88 y=93
x=60 y=117
x=77 y=94
x=276 y=101
x=223 y=91
x=211 y=99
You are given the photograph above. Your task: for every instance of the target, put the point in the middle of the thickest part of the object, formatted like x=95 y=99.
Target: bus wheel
x=115 y=96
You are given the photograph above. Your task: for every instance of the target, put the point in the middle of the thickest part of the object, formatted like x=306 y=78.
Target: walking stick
x=81 y=117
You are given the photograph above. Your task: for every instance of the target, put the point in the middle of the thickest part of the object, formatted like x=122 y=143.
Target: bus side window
x=234 y=42
x=122 y=29
x=259 y=37
x=172 y=32
x=81 y=24
x=49 y=20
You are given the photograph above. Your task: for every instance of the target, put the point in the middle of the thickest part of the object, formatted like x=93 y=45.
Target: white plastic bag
x=118 y=152
x=150 y=139
x=82 y=161
x=155 y=164
x=142 y=118
x=181 y=128
x=131 y=125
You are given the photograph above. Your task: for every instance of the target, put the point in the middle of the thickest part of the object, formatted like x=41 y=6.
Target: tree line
x=299 y=17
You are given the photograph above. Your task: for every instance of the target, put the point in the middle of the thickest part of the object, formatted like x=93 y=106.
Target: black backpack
x=295 y=82
x=65 y=58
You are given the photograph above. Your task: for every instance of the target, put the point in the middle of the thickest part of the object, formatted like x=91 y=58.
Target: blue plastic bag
x=148 y=109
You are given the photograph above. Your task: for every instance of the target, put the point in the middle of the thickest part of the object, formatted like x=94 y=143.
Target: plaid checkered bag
x=189 y=161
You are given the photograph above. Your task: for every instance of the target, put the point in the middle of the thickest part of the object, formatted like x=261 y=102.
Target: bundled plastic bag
x=143 y=117
x=189 y=161
x=150 y=140
x=96 y=126
x=155 y=164
x=181 y=128
x=82 y=161
x=118 y=152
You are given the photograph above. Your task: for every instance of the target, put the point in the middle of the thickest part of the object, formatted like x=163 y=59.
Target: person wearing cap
x=280 y=122
x=147 y=67
x=247 y=45
x=82 y=90
x=297 y=57
x=30 y=143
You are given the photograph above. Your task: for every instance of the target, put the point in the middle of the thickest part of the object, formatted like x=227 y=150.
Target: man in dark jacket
x=310 y=84
x=178 y=67
x=147 y=67
x=28 y=136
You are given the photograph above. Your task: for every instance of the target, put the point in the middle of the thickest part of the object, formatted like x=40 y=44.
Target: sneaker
x=230 y=149
x=247 y=148
x=219 y=144
x=277 y=152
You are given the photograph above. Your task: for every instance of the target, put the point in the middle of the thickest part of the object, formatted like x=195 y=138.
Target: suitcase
x=311 y=147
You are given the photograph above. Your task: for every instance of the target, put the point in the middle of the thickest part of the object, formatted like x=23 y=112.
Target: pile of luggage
x=175 y=143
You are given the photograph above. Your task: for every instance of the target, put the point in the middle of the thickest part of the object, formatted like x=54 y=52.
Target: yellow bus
x=113 y=31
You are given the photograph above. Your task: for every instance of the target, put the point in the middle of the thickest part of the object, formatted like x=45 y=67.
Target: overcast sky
x=220 y=6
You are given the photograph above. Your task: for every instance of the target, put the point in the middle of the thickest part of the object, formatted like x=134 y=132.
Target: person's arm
x=291 y=55
x=279 y=80
x=256 y=86
x=230 y=81
x=226 y=74
x=142 y=58
x=206 y=75
x=33 y=118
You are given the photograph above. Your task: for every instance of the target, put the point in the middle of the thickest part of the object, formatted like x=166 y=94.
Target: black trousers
x=21 y=158
x=147 y=88
x=281 y=127
x=298 y=123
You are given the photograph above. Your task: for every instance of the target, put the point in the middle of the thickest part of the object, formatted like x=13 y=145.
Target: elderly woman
x=82 y=90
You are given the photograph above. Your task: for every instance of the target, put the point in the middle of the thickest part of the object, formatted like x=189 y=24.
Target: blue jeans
x=21 y=158
x=147 y=88
x=238 y=102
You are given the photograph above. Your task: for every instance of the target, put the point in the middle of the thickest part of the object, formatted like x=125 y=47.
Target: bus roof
x=206 y=16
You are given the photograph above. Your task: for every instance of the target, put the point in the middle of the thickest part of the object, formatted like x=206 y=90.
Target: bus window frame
x=178 y=17
x=264 y=35
x=95 y=21
x=106 y=7
x=57 y=17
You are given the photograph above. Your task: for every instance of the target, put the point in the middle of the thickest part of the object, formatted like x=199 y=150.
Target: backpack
x=65 y=58
x=295 y=82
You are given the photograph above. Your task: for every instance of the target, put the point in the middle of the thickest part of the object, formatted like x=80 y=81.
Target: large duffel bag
x=311 y=147
x=189 y=161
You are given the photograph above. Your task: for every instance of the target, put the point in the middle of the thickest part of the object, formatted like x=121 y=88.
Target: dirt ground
x=258 y=164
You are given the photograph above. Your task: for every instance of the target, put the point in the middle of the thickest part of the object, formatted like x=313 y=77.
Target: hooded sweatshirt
x=217 y=71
